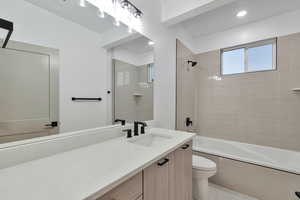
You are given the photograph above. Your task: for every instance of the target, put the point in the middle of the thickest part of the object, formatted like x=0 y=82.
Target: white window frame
x=246 y=47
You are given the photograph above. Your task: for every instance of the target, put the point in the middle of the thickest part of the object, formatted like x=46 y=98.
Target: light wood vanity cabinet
x=157 y=179
x=182 y=175
x=132 y=189
x=168 y=179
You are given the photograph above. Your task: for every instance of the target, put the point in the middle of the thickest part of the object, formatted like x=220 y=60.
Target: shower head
x=194 y=63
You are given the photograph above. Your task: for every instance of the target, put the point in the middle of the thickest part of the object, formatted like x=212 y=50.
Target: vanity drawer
x=129 y=190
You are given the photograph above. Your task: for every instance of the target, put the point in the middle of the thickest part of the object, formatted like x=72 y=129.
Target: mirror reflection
x=54 y=71
x=29 y=91
x=133 y=69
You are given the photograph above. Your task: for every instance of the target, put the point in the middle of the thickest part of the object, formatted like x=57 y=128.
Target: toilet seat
x=201 y=163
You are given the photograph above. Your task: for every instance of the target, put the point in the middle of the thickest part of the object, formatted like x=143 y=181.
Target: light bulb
x=82 y=3
x=241 y=13
x=101 y=13
x=151 y=43
x=117 y=22
x=130 y=29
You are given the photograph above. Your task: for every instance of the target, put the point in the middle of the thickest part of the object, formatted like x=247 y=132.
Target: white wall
x=133 y=58
x=171 y=9
x=271 y=27
x=174 y=12
x=83 y=64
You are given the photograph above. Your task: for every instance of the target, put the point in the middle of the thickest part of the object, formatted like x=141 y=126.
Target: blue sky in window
x=260 y=58
x=233 y=61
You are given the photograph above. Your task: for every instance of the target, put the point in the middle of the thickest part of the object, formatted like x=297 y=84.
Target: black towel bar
x=86 y=99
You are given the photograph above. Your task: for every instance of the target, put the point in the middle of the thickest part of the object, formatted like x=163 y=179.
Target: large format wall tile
x=259 y=107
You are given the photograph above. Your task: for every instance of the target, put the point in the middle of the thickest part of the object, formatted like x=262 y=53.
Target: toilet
x=203 y=168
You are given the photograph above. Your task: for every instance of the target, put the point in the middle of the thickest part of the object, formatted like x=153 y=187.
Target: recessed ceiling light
x=151 y=43
x=241 y=13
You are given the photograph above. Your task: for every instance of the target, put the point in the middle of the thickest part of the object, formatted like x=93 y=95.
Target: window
x=150 y=73
x=258 y=56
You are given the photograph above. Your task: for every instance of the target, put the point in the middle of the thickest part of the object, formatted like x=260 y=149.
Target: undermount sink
x=151 y=139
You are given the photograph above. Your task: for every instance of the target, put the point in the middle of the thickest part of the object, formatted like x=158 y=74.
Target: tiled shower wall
x=259 y=107
x=128 y=106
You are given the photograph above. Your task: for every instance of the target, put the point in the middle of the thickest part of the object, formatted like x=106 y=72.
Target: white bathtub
x=279 y=159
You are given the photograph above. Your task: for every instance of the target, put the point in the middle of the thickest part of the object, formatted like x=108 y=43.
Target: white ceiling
x=137 y=46
x=174 y=12
x=216 y=20
x=70 y=10
x=224 y=17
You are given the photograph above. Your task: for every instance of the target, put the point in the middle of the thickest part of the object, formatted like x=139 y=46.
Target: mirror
x=29 y=91
x=133 y=75
x=55 y=75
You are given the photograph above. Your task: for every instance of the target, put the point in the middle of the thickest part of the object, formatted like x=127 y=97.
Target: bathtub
x=274 y=158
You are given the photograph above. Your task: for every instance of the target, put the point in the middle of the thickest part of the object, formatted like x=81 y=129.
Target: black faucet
x=143 y=128
x=129 y=133
x=136 y=127
x=123 y=122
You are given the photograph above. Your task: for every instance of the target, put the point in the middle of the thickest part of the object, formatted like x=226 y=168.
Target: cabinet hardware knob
x=166 y=160
x=185 y=146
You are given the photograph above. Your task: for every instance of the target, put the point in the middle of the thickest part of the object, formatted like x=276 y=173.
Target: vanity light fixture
x=131 y=8
x=122 y=10
x=241 y=13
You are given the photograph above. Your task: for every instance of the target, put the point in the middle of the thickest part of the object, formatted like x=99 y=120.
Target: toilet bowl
x=203 y=168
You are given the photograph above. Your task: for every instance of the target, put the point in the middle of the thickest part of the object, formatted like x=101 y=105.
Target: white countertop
x=80 y=173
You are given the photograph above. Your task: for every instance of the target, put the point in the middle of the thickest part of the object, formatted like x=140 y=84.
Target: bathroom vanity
x=168 y=178
x=153 y=166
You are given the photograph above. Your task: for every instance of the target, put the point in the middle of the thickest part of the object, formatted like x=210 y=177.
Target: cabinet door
x=156 y=180
x=129 y=190
x=183 y=173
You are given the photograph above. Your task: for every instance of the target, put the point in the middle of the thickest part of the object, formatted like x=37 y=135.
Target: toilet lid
x=203 y=163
